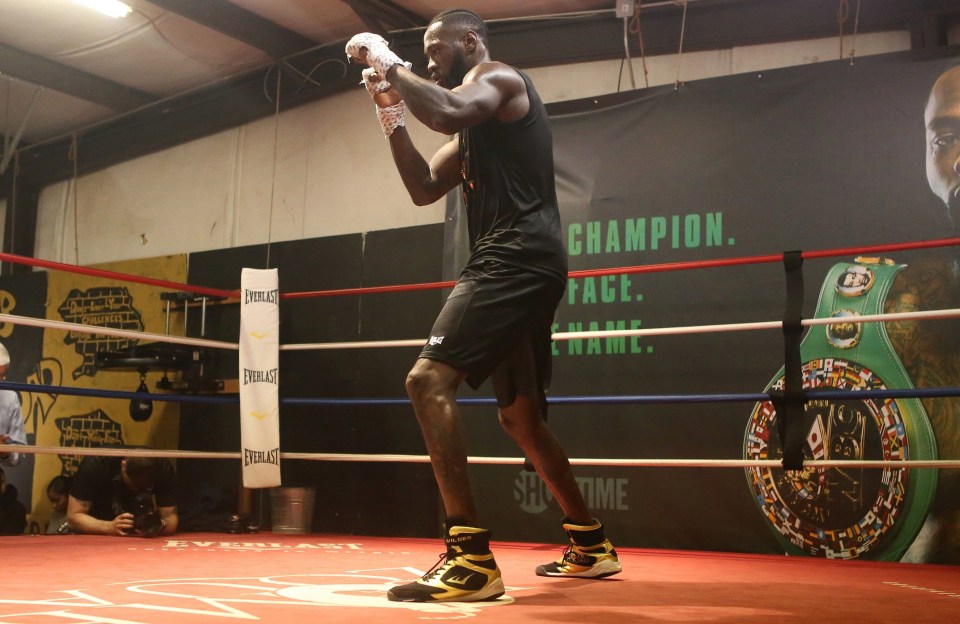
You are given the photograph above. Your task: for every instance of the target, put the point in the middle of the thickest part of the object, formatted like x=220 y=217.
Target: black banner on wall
x=810 y=158
x=352 y=498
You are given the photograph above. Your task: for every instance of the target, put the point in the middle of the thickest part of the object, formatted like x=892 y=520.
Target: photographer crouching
x=123 y=496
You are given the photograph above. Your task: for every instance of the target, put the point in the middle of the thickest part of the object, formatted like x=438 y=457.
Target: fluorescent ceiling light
x=110 y=8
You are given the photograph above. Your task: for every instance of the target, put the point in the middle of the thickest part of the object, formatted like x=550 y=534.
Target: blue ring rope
x=116 y=394
x=754 y=397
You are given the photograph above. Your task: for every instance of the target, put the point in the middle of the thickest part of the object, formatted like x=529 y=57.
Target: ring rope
x=648 y=268
x=361 y=344
x=648 y=399
x=753 y=397
x=518 y=461
x=653 y=331
x=14 y=319
x=651 y=268
x=120 y=277
x=116 y=394
x=728 y=327
x=416 y=342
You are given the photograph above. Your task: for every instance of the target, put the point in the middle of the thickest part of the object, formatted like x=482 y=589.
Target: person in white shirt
x=11 y=416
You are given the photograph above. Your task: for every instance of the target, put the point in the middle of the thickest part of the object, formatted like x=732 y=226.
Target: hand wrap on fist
x=374 y=83
x=391 y=117
x=390 y=111
x=379 y=55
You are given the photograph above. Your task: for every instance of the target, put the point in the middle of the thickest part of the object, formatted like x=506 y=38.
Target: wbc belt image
x=840 y=512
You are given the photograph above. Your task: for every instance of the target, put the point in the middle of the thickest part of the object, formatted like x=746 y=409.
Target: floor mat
x=289 y=579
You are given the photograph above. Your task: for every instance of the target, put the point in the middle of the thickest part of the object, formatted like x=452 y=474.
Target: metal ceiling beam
x=710 y=25
x=178 y=120
x=369 y=20
x=240 y=24
x=382 y=16
x=45 y=73
x=713 y=24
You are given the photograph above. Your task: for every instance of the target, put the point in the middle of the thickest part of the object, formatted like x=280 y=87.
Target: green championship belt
x=847 y=513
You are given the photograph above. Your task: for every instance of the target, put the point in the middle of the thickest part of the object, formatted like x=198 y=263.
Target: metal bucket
x=291 y=509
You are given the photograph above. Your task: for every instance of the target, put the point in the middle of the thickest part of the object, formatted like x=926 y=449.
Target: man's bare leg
x=524 y=423
x=591 y=555
x=432 y=387
x=469 y=571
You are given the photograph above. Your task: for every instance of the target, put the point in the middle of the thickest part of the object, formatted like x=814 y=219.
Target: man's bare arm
x=80 y=521
x=487 y=89
x=425 y=182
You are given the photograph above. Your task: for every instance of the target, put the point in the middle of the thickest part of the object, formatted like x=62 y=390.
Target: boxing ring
x=201 y=577
x=197 y=578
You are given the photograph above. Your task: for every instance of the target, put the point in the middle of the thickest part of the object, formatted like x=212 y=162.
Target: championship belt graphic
x=841 y=512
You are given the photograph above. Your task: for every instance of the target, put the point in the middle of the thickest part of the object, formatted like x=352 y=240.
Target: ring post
x=259 y=377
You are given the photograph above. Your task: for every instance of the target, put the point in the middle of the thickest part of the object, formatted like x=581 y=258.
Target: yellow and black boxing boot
x=467 y=572
x=589 y=555
x=870 y=513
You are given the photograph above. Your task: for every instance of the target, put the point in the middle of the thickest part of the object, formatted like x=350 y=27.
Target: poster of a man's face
x=942 y=121
x=928 y=350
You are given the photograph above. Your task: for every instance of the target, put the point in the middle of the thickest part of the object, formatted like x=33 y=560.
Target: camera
x=146 y=519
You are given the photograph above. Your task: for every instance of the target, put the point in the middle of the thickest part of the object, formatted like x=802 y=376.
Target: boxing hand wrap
x=379 y=55
x=373 y=81
x=391 y=117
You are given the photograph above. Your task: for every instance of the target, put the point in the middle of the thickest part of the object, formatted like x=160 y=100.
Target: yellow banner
x=68 y=360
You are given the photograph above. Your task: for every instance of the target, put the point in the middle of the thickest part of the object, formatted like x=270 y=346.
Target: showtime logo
x=600 y=493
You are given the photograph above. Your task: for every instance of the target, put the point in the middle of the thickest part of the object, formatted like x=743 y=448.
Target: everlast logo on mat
x=261 y=296
x=261 y=457
x=259 y=376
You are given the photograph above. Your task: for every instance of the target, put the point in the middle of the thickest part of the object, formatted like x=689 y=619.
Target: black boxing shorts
x=485 y=321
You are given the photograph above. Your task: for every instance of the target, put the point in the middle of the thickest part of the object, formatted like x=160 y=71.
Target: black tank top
x=509 y=192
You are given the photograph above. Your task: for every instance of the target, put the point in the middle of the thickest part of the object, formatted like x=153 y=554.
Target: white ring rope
x=703 y=329
x=658 y=331
x=14 y=319
x=416 y=342
x=324 y=346
x=510 y=461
